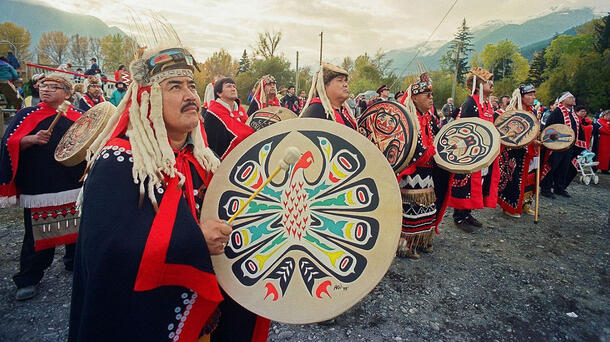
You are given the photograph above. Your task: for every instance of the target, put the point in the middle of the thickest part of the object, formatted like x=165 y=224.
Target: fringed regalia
x=423 y=188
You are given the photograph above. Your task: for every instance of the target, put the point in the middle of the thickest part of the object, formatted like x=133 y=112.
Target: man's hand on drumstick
x=40 y=138
x=216 y=233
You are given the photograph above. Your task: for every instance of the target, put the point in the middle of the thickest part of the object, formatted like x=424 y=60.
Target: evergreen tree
x=461 y=47
x=602 y=32
x=536 y=74
x=244 y=62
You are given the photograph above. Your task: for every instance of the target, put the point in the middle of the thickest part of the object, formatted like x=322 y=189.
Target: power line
x=427 y=40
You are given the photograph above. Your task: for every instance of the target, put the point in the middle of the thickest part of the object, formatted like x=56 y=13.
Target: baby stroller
x=585 y=165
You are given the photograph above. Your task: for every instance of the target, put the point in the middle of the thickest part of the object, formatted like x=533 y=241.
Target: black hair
x=503 y=96
x=94 y=59
x=220 y=84
x=579 y=108
x=290 y=87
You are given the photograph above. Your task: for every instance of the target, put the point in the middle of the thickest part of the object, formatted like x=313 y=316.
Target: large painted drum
x=557 y=137
x=268 y=116
x=72 y=148
x=392 y=129
x=517 y=128
x=466 y=145
x=320 y=236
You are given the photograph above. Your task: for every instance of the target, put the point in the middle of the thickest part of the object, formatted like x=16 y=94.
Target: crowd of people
x=141 y=255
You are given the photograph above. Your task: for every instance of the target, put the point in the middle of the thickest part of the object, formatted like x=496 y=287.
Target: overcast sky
x=350 y=27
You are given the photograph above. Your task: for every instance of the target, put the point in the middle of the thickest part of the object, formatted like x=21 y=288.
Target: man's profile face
x=570 y=101
x=302 y=94
x=181 y=104
x=529 y=98
x=337 y=89
x=270 y=90
x=423 y=101
x=488 y=87
x=385 y=93
x=229 y=92
x=582 y=113
x=291 y=90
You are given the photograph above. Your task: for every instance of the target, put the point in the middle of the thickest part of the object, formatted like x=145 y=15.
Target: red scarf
x=486 y=111
x=566 y=120
x=338 y=117
x=90 y=101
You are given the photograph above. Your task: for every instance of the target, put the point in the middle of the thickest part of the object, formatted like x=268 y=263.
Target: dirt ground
x=509 y=281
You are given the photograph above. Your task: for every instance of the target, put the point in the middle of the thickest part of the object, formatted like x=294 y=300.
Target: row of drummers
x=456 y=165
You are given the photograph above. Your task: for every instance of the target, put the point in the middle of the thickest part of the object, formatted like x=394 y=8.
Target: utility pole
x=457 y=64
x=296 y=82
x=321 y=38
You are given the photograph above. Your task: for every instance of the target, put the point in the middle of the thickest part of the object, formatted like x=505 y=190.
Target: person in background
x=12 y=60
x=264 y=94
x=118 y=93
x=603 y=148
x=78 y=92
x=65 y=67
x=351 y=103
x=302 y=100
x=33 y=99
x=7 y=72
x=93 y=95
x=447 y=108
x=587 y=124
x=94 y=69
x=290 y=100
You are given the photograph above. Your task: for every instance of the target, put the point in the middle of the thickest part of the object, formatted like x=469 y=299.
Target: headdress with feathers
x=140 y=115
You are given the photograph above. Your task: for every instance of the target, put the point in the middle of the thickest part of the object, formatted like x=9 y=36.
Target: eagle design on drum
x=302 y=224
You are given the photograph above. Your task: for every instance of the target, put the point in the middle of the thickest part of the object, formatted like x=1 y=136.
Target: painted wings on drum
x=319 y=236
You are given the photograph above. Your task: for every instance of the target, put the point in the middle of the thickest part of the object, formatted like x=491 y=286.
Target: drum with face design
x=268 y=116
x=72 y=148
x=392 y=129
x=466 y=145
x=320 y=236
x=517 y=128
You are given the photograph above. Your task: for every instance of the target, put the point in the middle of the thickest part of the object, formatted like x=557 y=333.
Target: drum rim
x=79 y=156
x=267 y=108
x=314 y=124
x=414 y=121
x=507 y=115
x=495 y=149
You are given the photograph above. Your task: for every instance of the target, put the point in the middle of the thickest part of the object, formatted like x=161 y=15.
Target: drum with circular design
x=268 y=116
x=557 y=137
x=466 y=145
x=72 y=148
x=392 y=129
x=517 y=128
x=320 y=236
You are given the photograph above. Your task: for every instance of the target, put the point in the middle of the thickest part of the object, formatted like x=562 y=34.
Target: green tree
x=504 y=60
x=244 y=62
x=602 y=31
x=116 y=50
x=19 y=39
x=348 y=64
x=366 y=75
x=458 y=52
x=536 y=74
x=279 y=67
x=220 y=63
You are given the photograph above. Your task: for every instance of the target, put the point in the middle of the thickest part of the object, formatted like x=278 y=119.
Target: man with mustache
x=31 y=177
x=143 y=270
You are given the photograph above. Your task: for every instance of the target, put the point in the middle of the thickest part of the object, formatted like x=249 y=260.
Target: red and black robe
x=87 y=102
x=316 y=110
x=33 y=179
x=225 y=129
x=475 y=191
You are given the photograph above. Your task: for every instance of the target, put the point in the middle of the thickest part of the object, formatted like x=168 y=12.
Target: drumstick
x=509 y=135
x=61 y=110
x=537 y=186
x=291 y=156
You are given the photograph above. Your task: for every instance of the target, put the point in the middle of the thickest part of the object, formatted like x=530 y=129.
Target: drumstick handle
x=61 y=110
x=537 y=185
x=260 y=188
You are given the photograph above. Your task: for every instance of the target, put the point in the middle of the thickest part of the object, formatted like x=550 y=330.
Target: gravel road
x=509 y=281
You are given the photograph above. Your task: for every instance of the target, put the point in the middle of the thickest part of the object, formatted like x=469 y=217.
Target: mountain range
x=531 y=36
x=39 y=19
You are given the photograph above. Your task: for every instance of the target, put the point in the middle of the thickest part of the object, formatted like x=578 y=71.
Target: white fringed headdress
x=317 y=89
x=153 y=157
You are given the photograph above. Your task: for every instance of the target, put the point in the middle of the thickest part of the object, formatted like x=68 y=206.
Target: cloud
x=350 y=28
